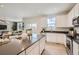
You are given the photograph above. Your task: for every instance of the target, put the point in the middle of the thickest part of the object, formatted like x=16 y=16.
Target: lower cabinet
x=61 y=38
x=75 y=48
x=37 y=48
x=42 y=44
x=34 y=49
x=56 y=38
x=51 y=37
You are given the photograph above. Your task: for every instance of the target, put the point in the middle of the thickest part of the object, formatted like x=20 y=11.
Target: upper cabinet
x=72 y=14
x=70 y=18
x=61 y=20
x=76 y=10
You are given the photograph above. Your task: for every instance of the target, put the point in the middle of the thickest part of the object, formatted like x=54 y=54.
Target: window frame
x=51 y=22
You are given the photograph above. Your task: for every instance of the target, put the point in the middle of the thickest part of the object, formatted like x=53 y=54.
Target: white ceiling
x=33 y=9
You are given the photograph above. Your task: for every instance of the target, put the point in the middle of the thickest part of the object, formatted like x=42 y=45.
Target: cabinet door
x=75 y=48
x=29 y=49
x=61 y=38
x=70 y=18
x=76 y=10
x=34 y=49
x=42 y=44
x=61 y=20
x=51 y=37
x=71 y=15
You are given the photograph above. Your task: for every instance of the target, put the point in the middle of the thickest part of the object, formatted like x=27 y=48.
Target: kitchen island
x=22 y=47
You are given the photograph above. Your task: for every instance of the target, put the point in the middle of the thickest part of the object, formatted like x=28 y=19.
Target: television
x=3 y=27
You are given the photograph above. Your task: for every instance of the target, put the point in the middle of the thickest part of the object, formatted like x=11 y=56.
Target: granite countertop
x=54 y=31
x=65 y=32
x=57 y=30
x=76 y=40
x=15 y=46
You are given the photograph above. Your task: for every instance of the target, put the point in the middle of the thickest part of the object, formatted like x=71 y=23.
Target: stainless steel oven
x=69 y=45
x=76 y=28
x=76 y=21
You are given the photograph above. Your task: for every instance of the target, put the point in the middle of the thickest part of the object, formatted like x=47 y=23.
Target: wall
x=40 y=21
x=9 y=26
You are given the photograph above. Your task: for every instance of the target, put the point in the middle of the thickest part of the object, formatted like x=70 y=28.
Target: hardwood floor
x=54 y=49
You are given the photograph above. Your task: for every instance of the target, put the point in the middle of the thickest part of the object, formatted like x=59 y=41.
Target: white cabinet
x=70 y=18
x=51 y=37
x=42 y=44
x=76 y=10
x=29 y=49
x=72 y=14
x=61 y=38
x=61 y=20
x=34 y=49
x=75 y=48
x=56 y=38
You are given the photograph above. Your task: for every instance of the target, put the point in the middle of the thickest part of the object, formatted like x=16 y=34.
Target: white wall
x=40 y=21
x=9 y=26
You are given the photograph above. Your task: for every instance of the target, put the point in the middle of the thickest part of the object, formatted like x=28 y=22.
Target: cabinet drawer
x=42 y=45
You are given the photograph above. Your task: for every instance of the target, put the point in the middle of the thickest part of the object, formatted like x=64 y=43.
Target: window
x=51 y=22
x=19 y=26
x=32 y=26
x=34 y=37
